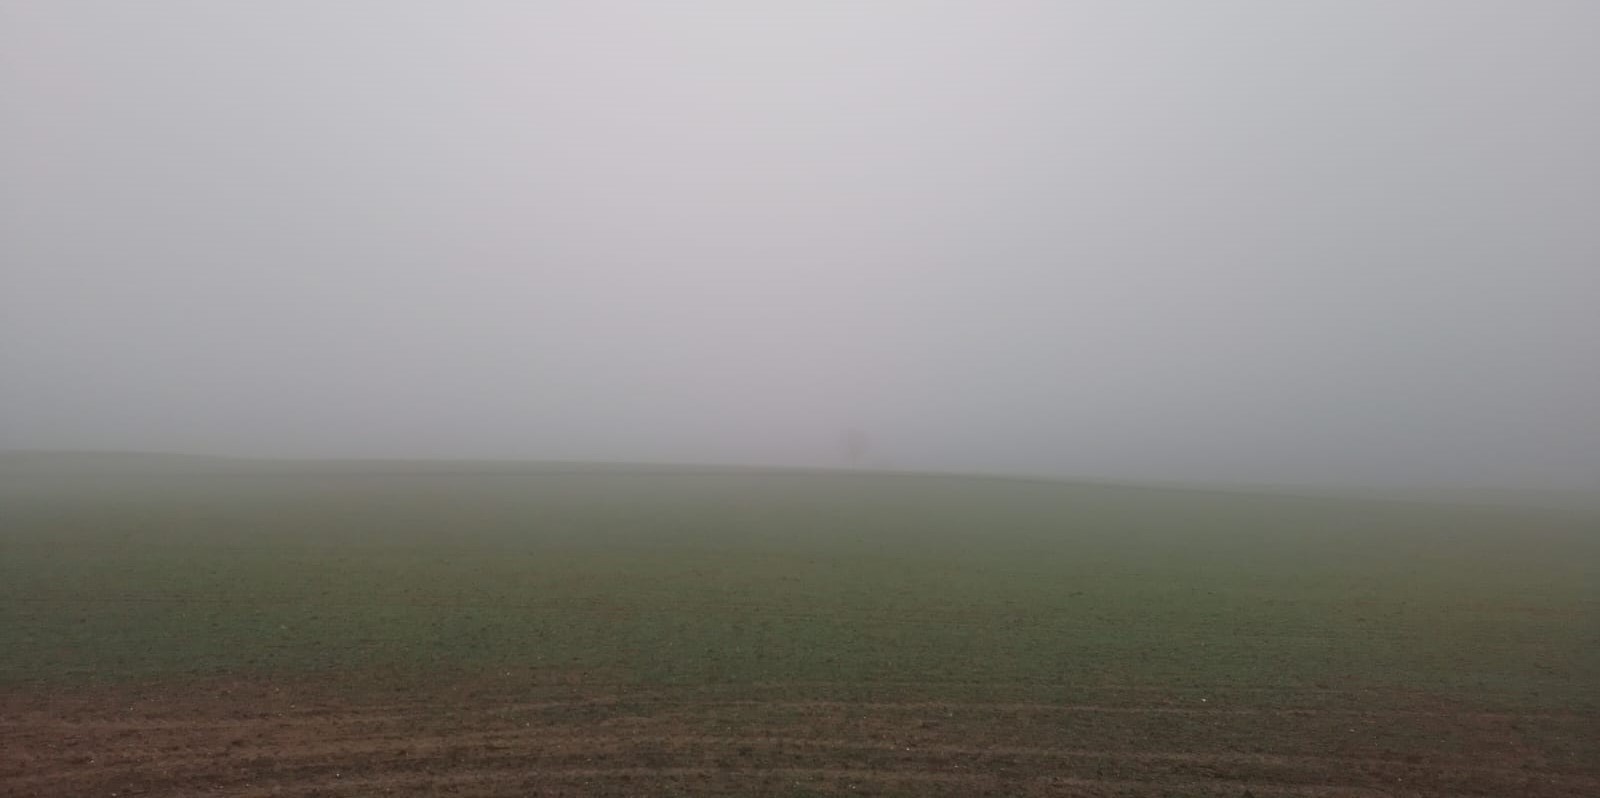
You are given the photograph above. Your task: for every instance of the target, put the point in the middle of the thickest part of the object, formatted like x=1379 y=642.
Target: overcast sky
x=1348 y=241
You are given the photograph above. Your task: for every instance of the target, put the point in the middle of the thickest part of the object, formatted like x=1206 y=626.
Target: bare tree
x=855 y=444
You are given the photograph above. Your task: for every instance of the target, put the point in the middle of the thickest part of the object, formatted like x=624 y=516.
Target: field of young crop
x=173 y=626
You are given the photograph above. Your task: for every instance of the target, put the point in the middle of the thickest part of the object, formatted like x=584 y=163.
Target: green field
x=827 y=585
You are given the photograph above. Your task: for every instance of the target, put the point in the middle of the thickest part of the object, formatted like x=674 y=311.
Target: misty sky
x=1351 y=241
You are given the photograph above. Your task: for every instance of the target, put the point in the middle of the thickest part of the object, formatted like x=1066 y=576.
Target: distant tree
x=855 y=445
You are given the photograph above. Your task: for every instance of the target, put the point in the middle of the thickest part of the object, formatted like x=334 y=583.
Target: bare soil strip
x=272 y=738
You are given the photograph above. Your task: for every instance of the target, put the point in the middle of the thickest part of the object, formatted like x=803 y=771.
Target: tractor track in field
x=309 y=717
x=841 y=779
x=527 y=744
x=1064 y=618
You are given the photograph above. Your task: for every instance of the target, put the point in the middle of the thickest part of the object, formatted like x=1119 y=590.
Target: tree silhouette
x=855 y=444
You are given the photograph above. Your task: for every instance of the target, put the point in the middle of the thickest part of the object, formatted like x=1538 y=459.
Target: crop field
x=183 y=626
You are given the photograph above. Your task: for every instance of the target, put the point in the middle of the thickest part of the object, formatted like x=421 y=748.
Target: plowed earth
x=508 y=736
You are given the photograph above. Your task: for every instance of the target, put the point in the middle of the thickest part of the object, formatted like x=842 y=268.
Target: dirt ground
x=501 y=737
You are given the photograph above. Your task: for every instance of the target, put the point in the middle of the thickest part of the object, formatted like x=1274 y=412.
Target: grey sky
x=1344 y=240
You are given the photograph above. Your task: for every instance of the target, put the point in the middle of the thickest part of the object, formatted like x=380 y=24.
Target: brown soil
x=502 y=735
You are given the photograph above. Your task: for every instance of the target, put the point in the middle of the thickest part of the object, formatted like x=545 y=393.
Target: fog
x=1333 y=242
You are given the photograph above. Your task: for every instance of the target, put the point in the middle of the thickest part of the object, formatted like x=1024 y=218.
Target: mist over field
x=1340 y=243
x=907 y=398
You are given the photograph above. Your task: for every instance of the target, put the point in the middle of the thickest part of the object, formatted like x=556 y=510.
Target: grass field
x=260 y=628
